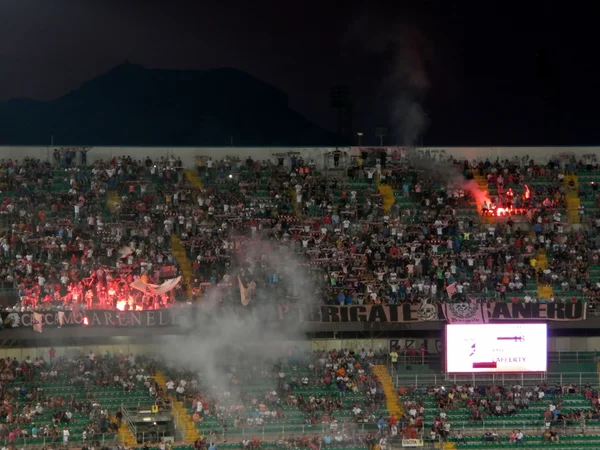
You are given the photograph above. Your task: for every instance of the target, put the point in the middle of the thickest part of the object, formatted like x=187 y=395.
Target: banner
x=534 y=311
x=98 y=318
x=167 y=272
x=295 y=313
x=412 y=442
x=37 y=322
x=155 y=289
x=401 y=152
x=464 y=313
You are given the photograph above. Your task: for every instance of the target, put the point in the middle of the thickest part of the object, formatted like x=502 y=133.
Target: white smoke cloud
x=408 y=83
x=399 y=47
x=213 y=343
x=449 y=175
x=408 y=118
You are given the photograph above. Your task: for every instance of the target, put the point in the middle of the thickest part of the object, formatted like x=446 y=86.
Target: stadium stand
x=387 y=231
x=371 y=250
x=75 y=401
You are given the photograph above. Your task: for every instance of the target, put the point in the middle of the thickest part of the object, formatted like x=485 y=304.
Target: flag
x=243 y=295
x=167 y=272
x=464 y=313
x=246 y=292
x=125 y=252
x=61 y=318
x=451 y=289
x=37 y=322
x=155 y=289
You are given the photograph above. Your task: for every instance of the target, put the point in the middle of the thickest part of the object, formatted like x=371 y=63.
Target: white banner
x=156 y=289
x=412 y=442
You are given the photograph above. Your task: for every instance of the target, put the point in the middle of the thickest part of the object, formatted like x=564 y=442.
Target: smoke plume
x=222 y=337
x=447 y=173
x=398 y=48
x=408 y=84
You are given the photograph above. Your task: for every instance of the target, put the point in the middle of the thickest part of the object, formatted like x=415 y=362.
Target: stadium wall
x=555 y=344
x=188 y=155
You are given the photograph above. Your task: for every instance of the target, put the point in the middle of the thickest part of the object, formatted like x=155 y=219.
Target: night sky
x=483 y=73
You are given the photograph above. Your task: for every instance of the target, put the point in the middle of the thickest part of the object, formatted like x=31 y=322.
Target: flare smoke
x=404 y=53
x=408 y=85
x=216 y=342
x=448 y=175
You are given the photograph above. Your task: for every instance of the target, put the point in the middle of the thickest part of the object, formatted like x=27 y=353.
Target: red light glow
x=503 y=212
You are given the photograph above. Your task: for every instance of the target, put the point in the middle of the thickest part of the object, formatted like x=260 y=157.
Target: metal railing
x=481 y=426
x=144 y=436
x=588 y=356
x=416 y=380
x=181 y=425
x=105 y=439
x=130 y=425
x=270 y=431
x=435 y=361
x=573 y=357
x=152 y=437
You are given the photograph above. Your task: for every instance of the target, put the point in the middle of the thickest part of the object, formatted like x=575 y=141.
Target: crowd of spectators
x=357 y=253
x=63 y=247
x=483 y=403
x=316 y=385
x=77 y=235
x=333 y=393
x=58 y=399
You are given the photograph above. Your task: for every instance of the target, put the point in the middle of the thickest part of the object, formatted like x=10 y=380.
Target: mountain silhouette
x=134 y=106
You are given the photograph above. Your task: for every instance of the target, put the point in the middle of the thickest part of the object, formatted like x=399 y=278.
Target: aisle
x=112 y=199
x=182 y=415
x=178 y=252
x=391 y=396
x=543 y=290
x=572 y=198
x=387 y=193
x=194 y=179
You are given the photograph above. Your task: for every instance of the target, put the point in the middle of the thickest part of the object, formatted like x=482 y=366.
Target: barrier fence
x=275 y=431
x=417 y=380
x=105 y=440
x=149 y=437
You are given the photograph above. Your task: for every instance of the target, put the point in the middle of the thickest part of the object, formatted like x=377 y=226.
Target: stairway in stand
x=126 y=436
x=182 y=416
x=194 y=179
x=543 y=290
x=387 y=193
x=112 y=199
x=572 y=198
x=295 y=205
x=391 y=397
x=178 y=252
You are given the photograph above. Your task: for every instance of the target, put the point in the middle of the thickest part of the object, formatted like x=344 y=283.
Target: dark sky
x=483 y=73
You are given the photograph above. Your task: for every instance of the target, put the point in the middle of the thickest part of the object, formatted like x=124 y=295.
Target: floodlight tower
x=341 y=100
x=381 y=132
